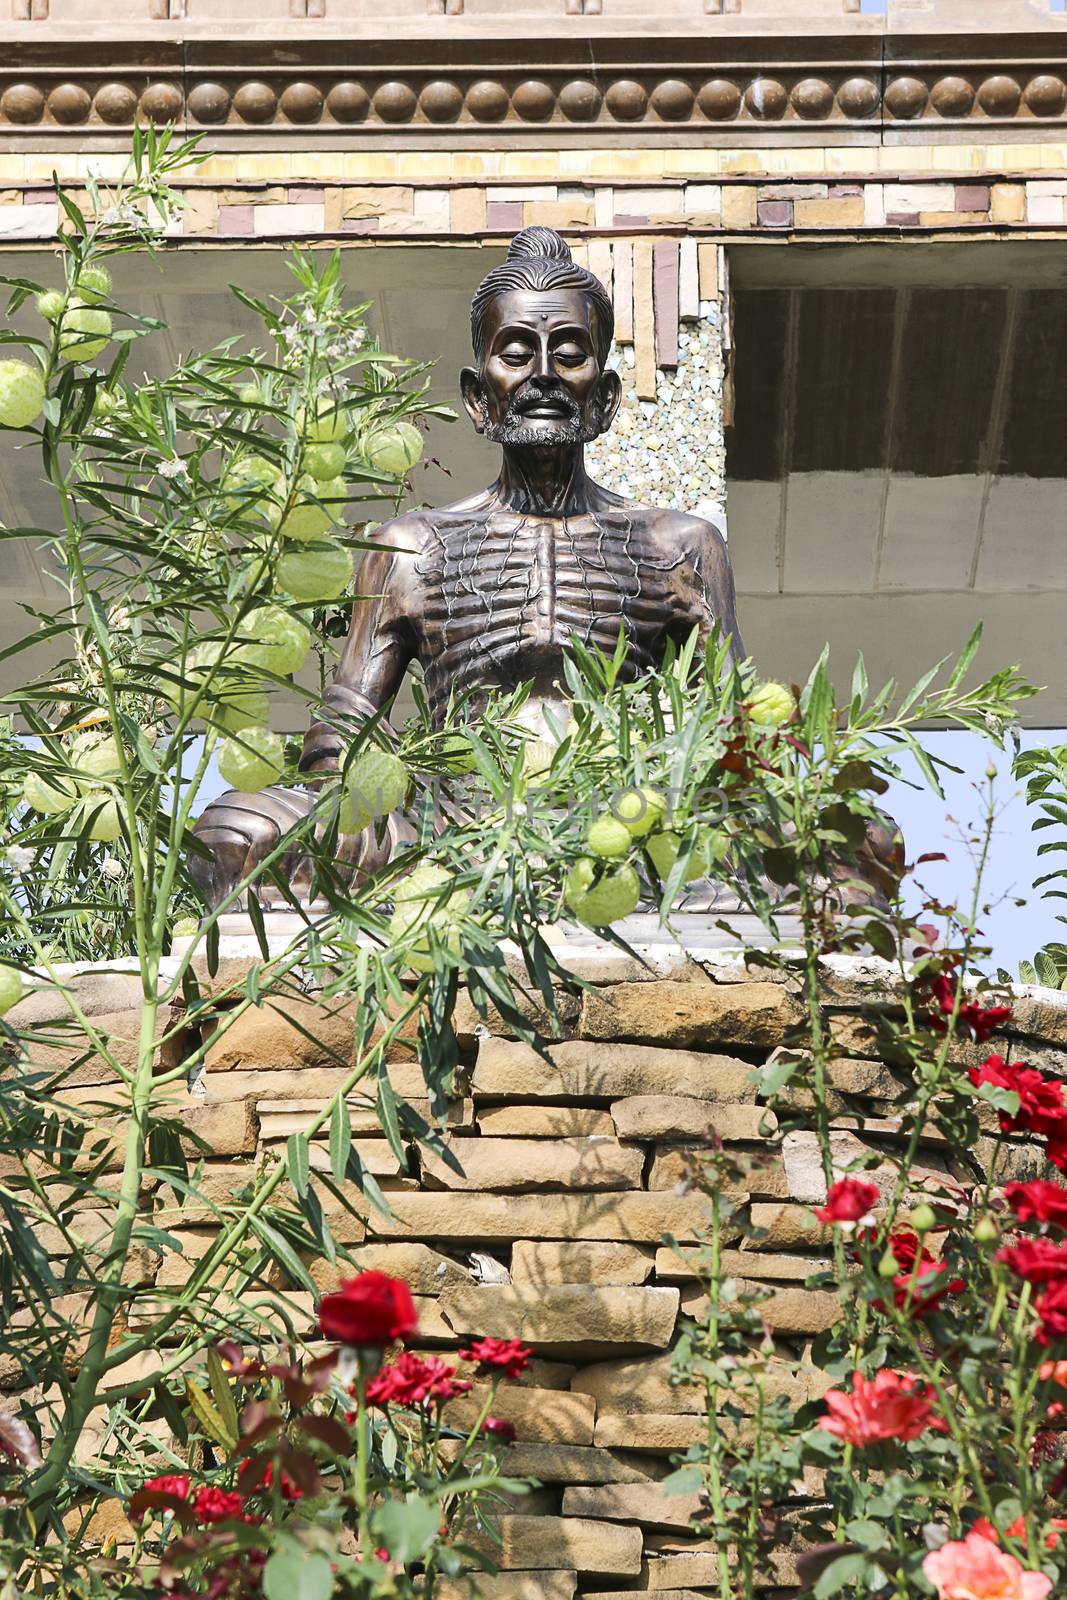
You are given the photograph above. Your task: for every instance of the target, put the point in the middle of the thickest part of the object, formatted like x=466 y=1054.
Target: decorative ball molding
x=906 y=98
x=952 y=97
x=427 y=98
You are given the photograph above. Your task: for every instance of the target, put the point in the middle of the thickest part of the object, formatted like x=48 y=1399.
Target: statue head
x=541 y=327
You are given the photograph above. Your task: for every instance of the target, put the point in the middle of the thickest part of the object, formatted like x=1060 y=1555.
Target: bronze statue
x=487 y=593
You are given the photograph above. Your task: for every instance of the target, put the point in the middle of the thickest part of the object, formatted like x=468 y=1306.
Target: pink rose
x=975 y=1569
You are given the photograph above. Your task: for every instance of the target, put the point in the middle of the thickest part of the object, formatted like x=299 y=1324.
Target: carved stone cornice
x=728 y=90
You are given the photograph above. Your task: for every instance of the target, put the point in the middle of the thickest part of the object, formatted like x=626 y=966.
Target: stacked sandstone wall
x=575 y=1168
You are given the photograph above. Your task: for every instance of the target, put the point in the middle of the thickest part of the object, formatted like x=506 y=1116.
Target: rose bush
x=343 y=1474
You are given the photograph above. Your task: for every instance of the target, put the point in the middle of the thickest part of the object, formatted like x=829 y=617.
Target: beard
x=516 y=428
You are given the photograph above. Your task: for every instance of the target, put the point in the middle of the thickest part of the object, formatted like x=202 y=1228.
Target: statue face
x=540 y=382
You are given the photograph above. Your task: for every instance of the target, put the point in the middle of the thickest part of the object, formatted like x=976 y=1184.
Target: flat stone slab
x=541 y=1416
x=792 y=1311
x=606 y=1071
x=546 y=1261
x=632 y=1216
x=572 y=1543
x=679 y=1116
x=544 y=1122
x=569 y=1315
x=526 y=1165
x=691 y=1014
x=569 y=1463
x=655 y=1431
x=510 y=1586
x=644 y=1503
x=739 y=1264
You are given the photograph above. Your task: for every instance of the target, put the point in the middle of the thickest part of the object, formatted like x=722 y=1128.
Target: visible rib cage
x=503 y=594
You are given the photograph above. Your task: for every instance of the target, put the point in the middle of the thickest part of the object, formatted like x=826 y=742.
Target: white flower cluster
x=671 y=451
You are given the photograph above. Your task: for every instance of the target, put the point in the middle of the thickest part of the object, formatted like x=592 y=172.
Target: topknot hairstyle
x=538 y=258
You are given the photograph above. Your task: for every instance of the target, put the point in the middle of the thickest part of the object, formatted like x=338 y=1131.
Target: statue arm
x=711 y=601
x=376 y=655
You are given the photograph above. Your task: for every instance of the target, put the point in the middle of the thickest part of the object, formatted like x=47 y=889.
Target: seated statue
x=487 y=593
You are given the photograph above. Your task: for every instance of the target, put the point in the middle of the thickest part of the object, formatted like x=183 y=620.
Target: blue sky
x=951 y=825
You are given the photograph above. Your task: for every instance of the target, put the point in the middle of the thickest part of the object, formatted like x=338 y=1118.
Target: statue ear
x=609 y=397
x=470 y=387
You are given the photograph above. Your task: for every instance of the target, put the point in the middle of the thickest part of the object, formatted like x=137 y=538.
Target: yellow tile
x=12 y=167
x=1009 y=202
x=846 y=213
x=738 y=206
x=644 y=323
x=275 y=167
x=1054 y=156
x=740 y=161
x=530 y=164
x=218 y=169
x=201 y=213
x=691 y=163
x=564 y=214
x=851 y=158
x=793 y=163
x=333 y=200
x=39 y=169
x=106 y=168
x=309 y=165
x=429 y=165
x=955 y=159
x=367 y=165
x=1022 y=158
x=950 y=219
x=472 y=164
x=628 y=163
x=708 y=270
x=574 y=163
x=468 y=210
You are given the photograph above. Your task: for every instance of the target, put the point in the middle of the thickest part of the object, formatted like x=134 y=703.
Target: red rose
x=500 y=1428
x=175 y=1483
x=1036 y=1260
x=372 y=1310
x=848 y=1202
x=922 y=1282
x=1041 y=1106
x=410 y=1381
x=290 y=1490
x=1051 y=1307
x=1039 y=1201
x=1017 y=1530
x=972 y=1017
x=218 y=1505
x=509 y=1356
x=891 y=1405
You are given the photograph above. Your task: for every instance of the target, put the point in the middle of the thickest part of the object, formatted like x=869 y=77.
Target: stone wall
x=575 y=1167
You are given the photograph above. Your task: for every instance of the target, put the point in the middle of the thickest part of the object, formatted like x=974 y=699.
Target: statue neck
x=550 y=481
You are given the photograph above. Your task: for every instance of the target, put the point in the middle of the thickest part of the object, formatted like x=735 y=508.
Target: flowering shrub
x=936 y=1455
x=342 y=1472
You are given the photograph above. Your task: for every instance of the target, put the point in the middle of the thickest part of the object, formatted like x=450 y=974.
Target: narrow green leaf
x=299 y=1160
x=340 y=1138
x=223 y=1393
x=255 y=917
x=283 y=1253
x=208 y=1417
x=970 y=650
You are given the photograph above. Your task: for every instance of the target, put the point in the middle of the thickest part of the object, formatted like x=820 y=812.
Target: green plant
x=179 y=502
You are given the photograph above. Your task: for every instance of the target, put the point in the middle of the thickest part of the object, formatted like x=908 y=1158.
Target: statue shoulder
x=702 y=537
x=397 y=542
